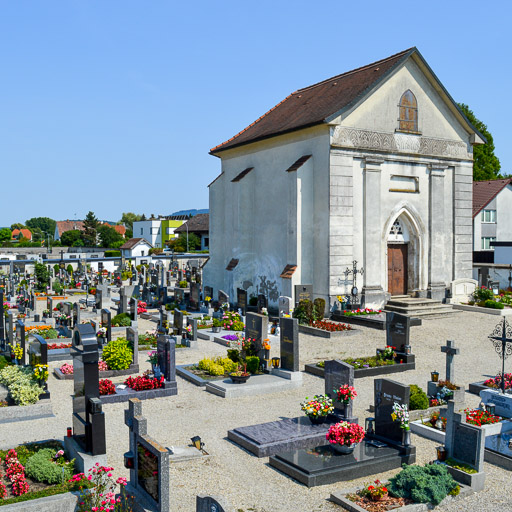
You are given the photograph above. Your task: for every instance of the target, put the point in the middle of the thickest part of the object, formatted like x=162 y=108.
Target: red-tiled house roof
x=324 y=101
x=485 y=191
x=22 y=233
x=69 y=225
x=130 y=244
x=199 y=223
x=120 y=229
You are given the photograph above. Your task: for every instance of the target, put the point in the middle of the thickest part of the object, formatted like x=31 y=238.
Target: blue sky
x=112 y=106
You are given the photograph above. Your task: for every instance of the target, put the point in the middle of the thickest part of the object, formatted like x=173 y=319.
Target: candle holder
x=490 y=408
x=369 y=426
x=407 y=349
x=275 y=362
x=434 y=376
x=441 y=453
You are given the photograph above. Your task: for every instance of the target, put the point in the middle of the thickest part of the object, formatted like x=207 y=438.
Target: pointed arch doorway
x=398 y=256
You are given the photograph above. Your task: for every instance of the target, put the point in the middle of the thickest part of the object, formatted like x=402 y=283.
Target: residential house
x=18 y=234
x=158 y=230
x=135 y=247
x=199 y=225
x=67 y=225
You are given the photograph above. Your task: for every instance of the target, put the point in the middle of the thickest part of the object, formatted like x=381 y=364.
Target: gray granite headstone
x=502 y=402
x=337 y=373
x=193 y=333
x=303 y=292
x=76 y=314
x=284 y=305
x=241 y=300
x=256 y=328
x=166 y=353
x=289 y=333
x=387 y=392
x=450 y=351
x=178 y=321
x=132 y=335
x=223 y=297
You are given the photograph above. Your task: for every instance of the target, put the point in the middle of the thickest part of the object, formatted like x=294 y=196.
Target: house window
x=141 y=231
x=206 y=242
x=489 y=216
x=155 y=231
x=408 y=113
x=486 y=243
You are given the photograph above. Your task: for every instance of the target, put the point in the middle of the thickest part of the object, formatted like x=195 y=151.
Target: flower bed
x=495 y=382
x=362 y=312
x=325 y=328
x=330 y=326
x=65 y=372
x=58 y=346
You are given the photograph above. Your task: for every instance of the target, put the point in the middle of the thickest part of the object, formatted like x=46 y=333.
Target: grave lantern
x=129 y=460
x=196 y=441
x=441 y=453
x=275 y=362
x=434 y=376
x=368 y=426
x=490 y=408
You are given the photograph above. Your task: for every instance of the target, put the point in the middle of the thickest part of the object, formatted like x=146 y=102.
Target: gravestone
x=241 y=300
x=289 y=338
x=256 y=328
x=132 y=335
x=133 y=307
x=208 y=292
x=75 y=319
x=398 y=330
x=166 y=353
x=387 y=392
x=106 y=321
x=38 y=354
x=261 y=302
x=149 y=477
x=194 y=296
x=211 y=504
x=98 y=299
x=10 y=327
x=337 y=373
x=162 y=295
x=193 y=333
x=2 y=324
x=464 y=443
x=284 y=305
x=178 y=322
x=223 y=298
x=179 y=295
x=503 y=402
x=123 y=302
x=450 y=351
x=303 y=292
x=21 y=340
x=88 y=417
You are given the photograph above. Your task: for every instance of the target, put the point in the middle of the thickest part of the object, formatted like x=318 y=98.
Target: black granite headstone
x=21 y=340
x=223 y=297
x=193 y=324
x=256 y=328
x=166 y=353
x=208 y=292
x=262 y=302
x=106 y=321
x=75 y=319
x=194 y=296
x=387 y=392
x=98 y=299
x=241 y=300
x=303 y=292
x=178 y=322
x=337 y=373
x=289 y=332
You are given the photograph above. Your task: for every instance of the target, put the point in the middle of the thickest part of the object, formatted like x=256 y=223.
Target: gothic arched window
x=408 y=112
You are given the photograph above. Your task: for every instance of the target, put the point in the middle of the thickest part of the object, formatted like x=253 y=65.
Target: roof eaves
x=506 y=182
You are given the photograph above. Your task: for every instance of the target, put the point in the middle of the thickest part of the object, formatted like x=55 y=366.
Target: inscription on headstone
x=387 y=392
x=303 y=292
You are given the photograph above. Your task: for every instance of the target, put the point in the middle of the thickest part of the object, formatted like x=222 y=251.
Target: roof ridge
x=356 y=70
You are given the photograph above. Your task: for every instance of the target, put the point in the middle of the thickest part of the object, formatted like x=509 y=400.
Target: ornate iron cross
x=354 y=292
x=501 y=338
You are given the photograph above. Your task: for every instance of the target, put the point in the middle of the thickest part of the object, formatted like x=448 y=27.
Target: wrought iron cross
x=501 y=338
x=354 y=292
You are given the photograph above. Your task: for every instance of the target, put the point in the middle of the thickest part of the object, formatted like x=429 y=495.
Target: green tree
x=128 y=218
x=91 y=227
x=108 y=235
x=5 y=234
x=180 y=244
x=486 y=165
x=42 y=276
x=68 y=238
x=17 y=225
x=43 y=223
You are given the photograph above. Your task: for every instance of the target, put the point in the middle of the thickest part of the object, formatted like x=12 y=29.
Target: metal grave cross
x=450 y=351
x=501 y=338
x=354 y=292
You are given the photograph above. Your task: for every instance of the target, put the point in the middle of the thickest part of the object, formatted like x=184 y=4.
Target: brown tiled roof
x=130 y=244
x=315 y=104
x=25 y=233
x=485 y=191
x=199 y=223
x=69 y=225
x=120 y=229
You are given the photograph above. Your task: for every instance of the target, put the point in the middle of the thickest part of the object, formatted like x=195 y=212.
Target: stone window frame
x=404 y=113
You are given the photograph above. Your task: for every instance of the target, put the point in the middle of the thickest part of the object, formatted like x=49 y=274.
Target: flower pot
x=239 y=379
x=216 y=329
x=317 y=420
x=406 y=437
x=343 y=448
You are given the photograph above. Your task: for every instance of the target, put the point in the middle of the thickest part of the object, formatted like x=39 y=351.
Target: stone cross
x=450 y=351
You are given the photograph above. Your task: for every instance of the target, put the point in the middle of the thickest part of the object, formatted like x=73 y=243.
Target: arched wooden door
x=397 y=269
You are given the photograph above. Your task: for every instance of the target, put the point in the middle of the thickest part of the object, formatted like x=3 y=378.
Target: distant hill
x=191 y=212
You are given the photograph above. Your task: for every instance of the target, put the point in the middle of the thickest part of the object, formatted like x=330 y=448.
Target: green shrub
x=253 y=364
x=422 y=484
x=253 y=301
x=183 y=284
x=24 y=393
x=122 y=320
x=493 y=304
x=305 y=312
x=227 y=363
x=319 y=308
x=118 y=354
x=3 y=362
x=112 y=254
x=57 y=287
x=12 y=374
x=41 y=468
x=69 y=269
x=482 y=294
x=216 y=369
x=418 y=399
x=233 y=354
x=50 y=334
x=217 y=322
x=204 y=364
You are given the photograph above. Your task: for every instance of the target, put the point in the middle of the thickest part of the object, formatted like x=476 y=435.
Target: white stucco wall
x=143 y=228
x=264 y=218
x=504 y=215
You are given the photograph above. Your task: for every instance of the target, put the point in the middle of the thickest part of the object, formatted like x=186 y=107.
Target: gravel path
x=249 y=483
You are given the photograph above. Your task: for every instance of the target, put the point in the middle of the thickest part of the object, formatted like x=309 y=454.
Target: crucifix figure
x=450 y=351
x=501 y=338
x=354 y=292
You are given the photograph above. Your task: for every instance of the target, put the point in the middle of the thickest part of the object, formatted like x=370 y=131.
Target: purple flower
x=366 y=365
x=230 y=337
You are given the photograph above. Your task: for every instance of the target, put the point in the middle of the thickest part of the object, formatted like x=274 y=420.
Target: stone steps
x=418 y=307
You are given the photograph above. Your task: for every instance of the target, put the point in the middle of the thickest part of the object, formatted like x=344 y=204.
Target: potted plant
x=401 y=414
x=344 y=436
x=377 y=492
x=241 y=376
x=216 y=325
x=318 y=408
x=345 y=394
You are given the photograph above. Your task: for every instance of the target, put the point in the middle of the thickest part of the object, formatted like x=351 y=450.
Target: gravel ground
x=249 y=483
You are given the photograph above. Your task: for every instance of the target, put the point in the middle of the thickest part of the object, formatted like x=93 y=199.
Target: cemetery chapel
x=373 y=165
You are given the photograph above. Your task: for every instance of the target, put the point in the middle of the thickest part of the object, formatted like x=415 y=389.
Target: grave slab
x=280 y=436
x=322 y=465
x=502 y=401
x=256 y=385
x=498 y=450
